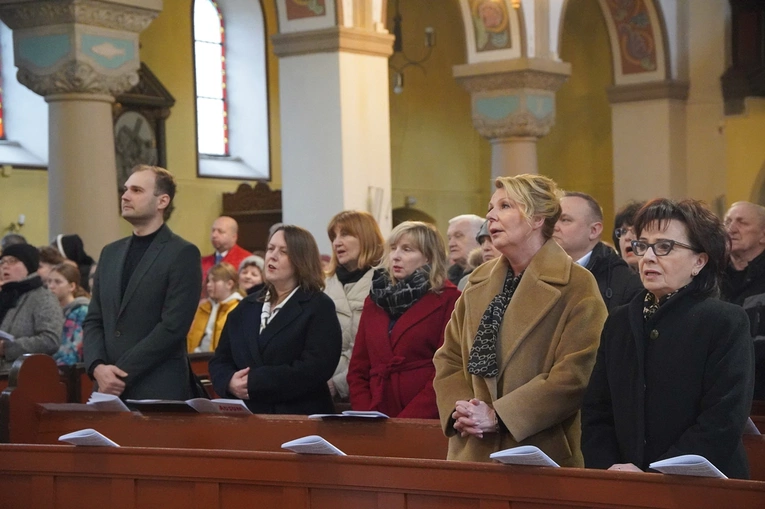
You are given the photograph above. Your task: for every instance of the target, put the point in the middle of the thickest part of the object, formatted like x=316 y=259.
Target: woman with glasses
x=674 y=369
x=624 y=233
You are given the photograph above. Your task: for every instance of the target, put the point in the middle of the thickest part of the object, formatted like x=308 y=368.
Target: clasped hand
x=238 y=384
x=474 y=418
x=110 y=379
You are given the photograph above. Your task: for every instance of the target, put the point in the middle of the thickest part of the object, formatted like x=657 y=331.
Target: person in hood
x=578 y=232
x=64 y=283
x=72 y=248
x=29 y=313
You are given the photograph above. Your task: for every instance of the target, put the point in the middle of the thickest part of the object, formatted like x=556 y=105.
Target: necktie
x=218 y=258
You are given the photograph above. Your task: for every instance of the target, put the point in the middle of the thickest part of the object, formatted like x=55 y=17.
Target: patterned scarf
x=396 y=299
x=483 y=354
x=651 y=304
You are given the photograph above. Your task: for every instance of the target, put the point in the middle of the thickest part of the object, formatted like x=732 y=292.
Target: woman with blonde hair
x=357 y=246
x=223 y=295
x=521 y=344
x=63 y=280
x=402 y=325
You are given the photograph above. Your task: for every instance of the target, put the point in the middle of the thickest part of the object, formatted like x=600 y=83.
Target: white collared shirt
x=268 y=313
x=584 y=260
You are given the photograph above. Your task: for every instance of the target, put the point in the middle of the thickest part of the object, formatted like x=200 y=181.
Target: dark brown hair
x=625 y=216
x=164 y=183
x=50 y=255
x=706 y=234
x=72 y=274
x=363 y=226
x=304 y=257
x=592 y=203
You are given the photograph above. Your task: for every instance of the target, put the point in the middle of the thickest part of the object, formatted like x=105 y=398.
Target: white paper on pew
x=88 y=437
x=107 y=402
x=688 y=464
x=201 y=405
x=528 y=455
x=312 y=444
x=750 y=428
x=7 y=337
x=363 y=414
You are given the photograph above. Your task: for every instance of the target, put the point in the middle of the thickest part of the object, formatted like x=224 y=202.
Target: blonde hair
x=536 y=196
x=226 y=272
x=363 y=226
x=426 y=238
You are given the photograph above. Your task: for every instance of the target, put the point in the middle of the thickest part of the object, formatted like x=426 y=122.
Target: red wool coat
x=393 y=373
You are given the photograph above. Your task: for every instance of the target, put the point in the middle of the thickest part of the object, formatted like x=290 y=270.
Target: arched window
x=232 y=89
x=210 y=64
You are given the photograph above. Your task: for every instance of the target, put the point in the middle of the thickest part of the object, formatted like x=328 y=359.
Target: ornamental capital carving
x=77 y=77
x=525 y=79
x=521 y=125
x=125 y=15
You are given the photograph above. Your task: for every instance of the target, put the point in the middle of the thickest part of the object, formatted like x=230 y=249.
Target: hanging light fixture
x=399 y=60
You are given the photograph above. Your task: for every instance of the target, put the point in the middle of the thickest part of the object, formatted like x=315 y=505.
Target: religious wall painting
x=636 y=37
x=491 y=21
x=302 y=9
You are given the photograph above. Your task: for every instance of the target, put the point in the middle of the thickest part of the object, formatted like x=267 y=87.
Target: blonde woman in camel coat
x=532 y=376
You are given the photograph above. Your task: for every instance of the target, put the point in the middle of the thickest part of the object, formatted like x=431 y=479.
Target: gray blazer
x=144 y=332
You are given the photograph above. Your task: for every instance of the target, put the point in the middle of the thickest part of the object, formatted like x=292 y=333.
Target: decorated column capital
x=513 y=98
x=78 y=46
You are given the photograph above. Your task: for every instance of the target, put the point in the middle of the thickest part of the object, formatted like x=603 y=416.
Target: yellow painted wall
x=166 y=47
x=436 y=155
x=745 y=153
x=25 y=192
x=577 y=153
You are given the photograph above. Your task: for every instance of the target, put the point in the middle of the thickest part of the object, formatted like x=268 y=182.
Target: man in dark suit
x=145 y=294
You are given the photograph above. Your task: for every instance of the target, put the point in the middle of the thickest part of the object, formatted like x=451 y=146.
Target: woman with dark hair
x=357 y=246
x=402 y=325
x=281 y=345
x=64 y=282
x=624 y=232
x=674 y=369
x=522 y=340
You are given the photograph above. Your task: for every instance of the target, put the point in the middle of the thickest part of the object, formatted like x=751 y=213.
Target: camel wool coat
x=546 y=351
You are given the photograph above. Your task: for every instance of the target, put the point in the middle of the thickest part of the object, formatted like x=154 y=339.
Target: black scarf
x=396 y=299
x=11 y=292
x=483 y=353
x=346 y=276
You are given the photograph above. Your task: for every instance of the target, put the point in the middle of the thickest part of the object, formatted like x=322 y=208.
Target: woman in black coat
x=279 y=347
x=674 y=369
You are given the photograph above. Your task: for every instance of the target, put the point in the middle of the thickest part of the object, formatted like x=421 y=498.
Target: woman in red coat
x=402 y=325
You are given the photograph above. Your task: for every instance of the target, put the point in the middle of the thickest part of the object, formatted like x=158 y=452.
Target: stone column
x=513 y=106
x=649 y=138
x=335 y=125
x=79 y=54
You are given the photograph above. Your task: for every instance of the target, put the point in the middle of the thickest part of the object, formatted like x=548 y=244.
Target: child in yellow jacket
x=223 y=296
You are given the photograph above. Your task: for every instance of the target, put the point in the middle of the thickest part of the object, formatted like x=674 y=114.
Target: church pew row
x=127 y=478
x=34 y=421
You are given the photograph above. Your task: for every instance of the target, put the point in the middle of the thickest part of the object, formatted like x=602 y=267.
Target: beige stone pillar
x=335 y=125
x=79 y=54
x=649 y=140
x=513 y=106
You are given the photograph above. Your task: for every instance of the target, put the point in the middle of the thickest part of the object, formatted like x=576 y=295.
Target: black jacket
x=680 y=383
x=617 y=282
x=747 y=289
x=290 y=361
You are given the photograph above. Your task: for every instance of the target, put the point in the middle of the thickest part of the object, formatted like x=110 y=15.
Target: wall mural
x=492 y=25
x=301 y=9
x=637 y=41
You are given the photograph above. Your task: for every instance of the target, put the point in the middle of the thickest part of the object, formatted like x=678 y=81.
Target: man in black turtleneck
x=145 y=294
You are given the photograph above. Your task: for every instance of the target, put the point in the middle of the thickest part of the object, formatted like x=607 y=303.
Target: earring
x=694 y=274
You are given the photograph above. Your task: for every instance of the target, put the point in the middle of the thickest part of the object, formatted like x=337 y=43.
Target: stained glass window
x=210 y=65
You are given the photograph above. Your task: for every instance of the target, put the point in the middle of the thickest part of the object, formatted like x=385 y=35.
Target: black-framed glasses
x=620 y=232
x=660 y=247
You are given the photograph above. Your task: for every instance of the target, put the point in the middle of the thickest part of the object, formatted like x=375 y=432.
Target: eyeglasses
x=660 y=248
x=8 y=260
x=620 y=232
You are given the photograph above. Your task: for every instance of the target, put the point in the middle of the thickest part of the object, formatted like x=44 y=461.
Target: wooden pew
x=65 y=476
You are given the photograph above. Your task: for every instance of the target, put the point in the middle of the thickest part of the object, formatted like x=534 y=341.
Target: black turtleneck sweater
x=138 y=247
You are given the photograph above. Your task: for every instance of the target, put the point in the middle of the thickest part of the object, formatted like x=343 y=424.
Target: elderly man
x=30 y=314
x=578 y=232
x=224 y=234
x=744 y=282
x=461 y=236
